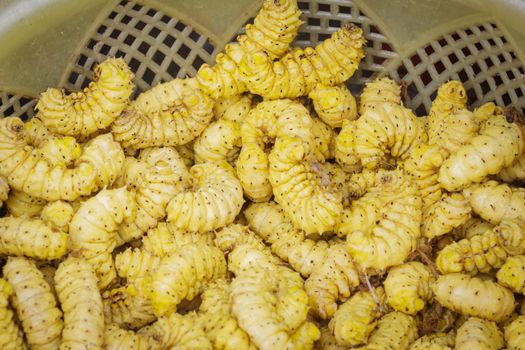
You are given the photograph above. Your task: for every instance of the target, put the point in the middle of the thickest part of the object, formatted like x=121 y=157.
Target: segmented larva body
x=360 y=183
x=234 y=108
x=356 y=318
x=116 y=338
x=327 y=341
x=487 y=110
x=273 y=30
x=60 y=150
x=443 y=216
x=215 y=316
x=379 y=92
x=48 y=272
x=234 y=235
x=456 y=130
x=330 y=63
x=394 y=331
x=34 y=303
x=170 y=114
x=515 y=334
x=156 y=182
x=134 y=263
x=407 y=287
x=495 y=202
x=385 y=128
x=21 y=236
x=485 y=251
x=310 y=206
x=183 y=275
x=220 y=141
x=345 y=152
x=472 y=227
x=480 y=334
x=82 y=113
x=512 y=274
x=422 y=165
x=334 y=104
x=176 y=331
x=11 y=338
x=383 y=226
x=271 y=305
x=76 y=286
x=515 y=171
x=58 y=214
x=332 y=280
x=20 y=203
x=287 y=242
x=127 y=310
x=323 y=139
x=93 y=230
x=450 y=98
x=166 y=239
x=36 y=132
x=499 y=143
x=473 y=296
x=268 y=120
x=213 y=201
x=436 y=341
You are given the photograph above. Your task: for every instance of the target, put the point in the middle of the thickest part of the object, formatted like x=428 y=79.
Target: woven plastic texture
x=159 y=47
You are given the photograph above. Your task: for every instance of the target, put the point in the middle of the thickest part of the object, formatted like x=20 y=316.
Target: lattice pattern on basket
x=156 y=46
x=16 y=106
x=322 y=18
x=479 y=56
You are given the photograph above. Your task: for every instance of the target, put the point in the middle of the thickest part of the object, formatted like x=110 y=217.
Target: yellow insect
x=436 y=341
x=356 y=318
x=170 y=114
x=213 y=200
x=183 y=275
x=495 y=202
x=166 y=239
x=34 y=303
x=20 y=236
x=473 y=296
x=512 y=274
x=19 y=203
x=407 y=287
x=133 y=264
x=176 y=331
x=127 y=310
x=394 y=331
x=60 y=150
x=11 y=337
x=444 y=215
x=216 y=318
x=83 y=113
x=234 y=235
x=480 y=334
x=220 y=141
x=380 y=91
x=472 y=227
x=515 y=335
x=267 y=121
x=273 y=30
x=93 y=230
x=309 y=205
x=485 y=251
x=333 y=104
x=234 y=108
x=330 y=63
x=270 y=303
x=76 y=286
x=116 y=338
x=499 y=143
x=58 y=214
x=345 y=152
x=383 y=226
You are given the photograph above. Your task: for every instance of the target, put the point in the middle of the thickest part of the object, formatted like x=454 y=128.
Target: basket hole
x=374 y=29
x=140 y=25
x=105 y=49
x=345 y=9
x=506 y=99
x=463 y=77
x=136 y=7
x=173 y=69
x=169 y=40
x=475 y=68
x=102 y=29
x=154 y=32
x=365 y=73
x=184 y=51
x=415 y=60
x=115 y=33
x=498 y=80
x=426 y=78
x=314 y=21
x=129 y=39
x=148 y=76
x=303 y=36
x=466 y=51
x=82 y=60
x=489 y=62
x=112 y=15
x=165 y=19
x=197 y=62
x=208 y=47
x=144 y=47
x=471 y=95
x=303 y=5
x=126 y=19
x=194 y=36
x=511 y=75
x=456 y=37
x=440 y=67
x=421 y=110
x=334 y=23
x=492 y=42
x=478 y=46
x=120 y=54
x=402 y=71
x=501 y=58
x=91 y=44
x=134 y=64
x=519 y=93
x=323 y=36
x=323 y=8
x=469 y=32
x=386 y=47
x=378 y=60
x=485 y=88
x=158 y=57
x=151 y=13
x=442 y=42
x=10 y=110
x=180 y=26
x=429 y=50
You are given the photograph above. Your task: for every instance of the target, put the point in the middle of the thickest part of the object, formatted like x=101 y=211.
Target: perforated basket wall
x=159 y=47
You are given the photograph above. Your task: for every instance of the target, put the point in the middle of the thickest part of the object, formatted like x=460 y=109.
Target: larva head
x=349 y=35
x=378 y=92
x=486 y=111
x=58 y=213
x=245 y=257
x=291 y=148
x=512 y=233
x=114 y=70
x=12 y=131
x=255 y=63
x=450 y=96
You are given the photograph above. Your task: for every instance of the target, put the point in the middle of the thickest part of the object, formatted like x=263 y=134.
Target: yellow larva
x=436 y=341
x=127 y=310
x=19 y=203
x=479 y=334
x=116 y=338
x=76 y=286
x=515 y=334
x=11 y=338
x=394 y=331
x=133 y=264
x=473 y=296
x=58 y=214
x=34 y=303
x=512 y=274
x=445 y=214
x=220 y=141
x=82 y=113
x=334 y=104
